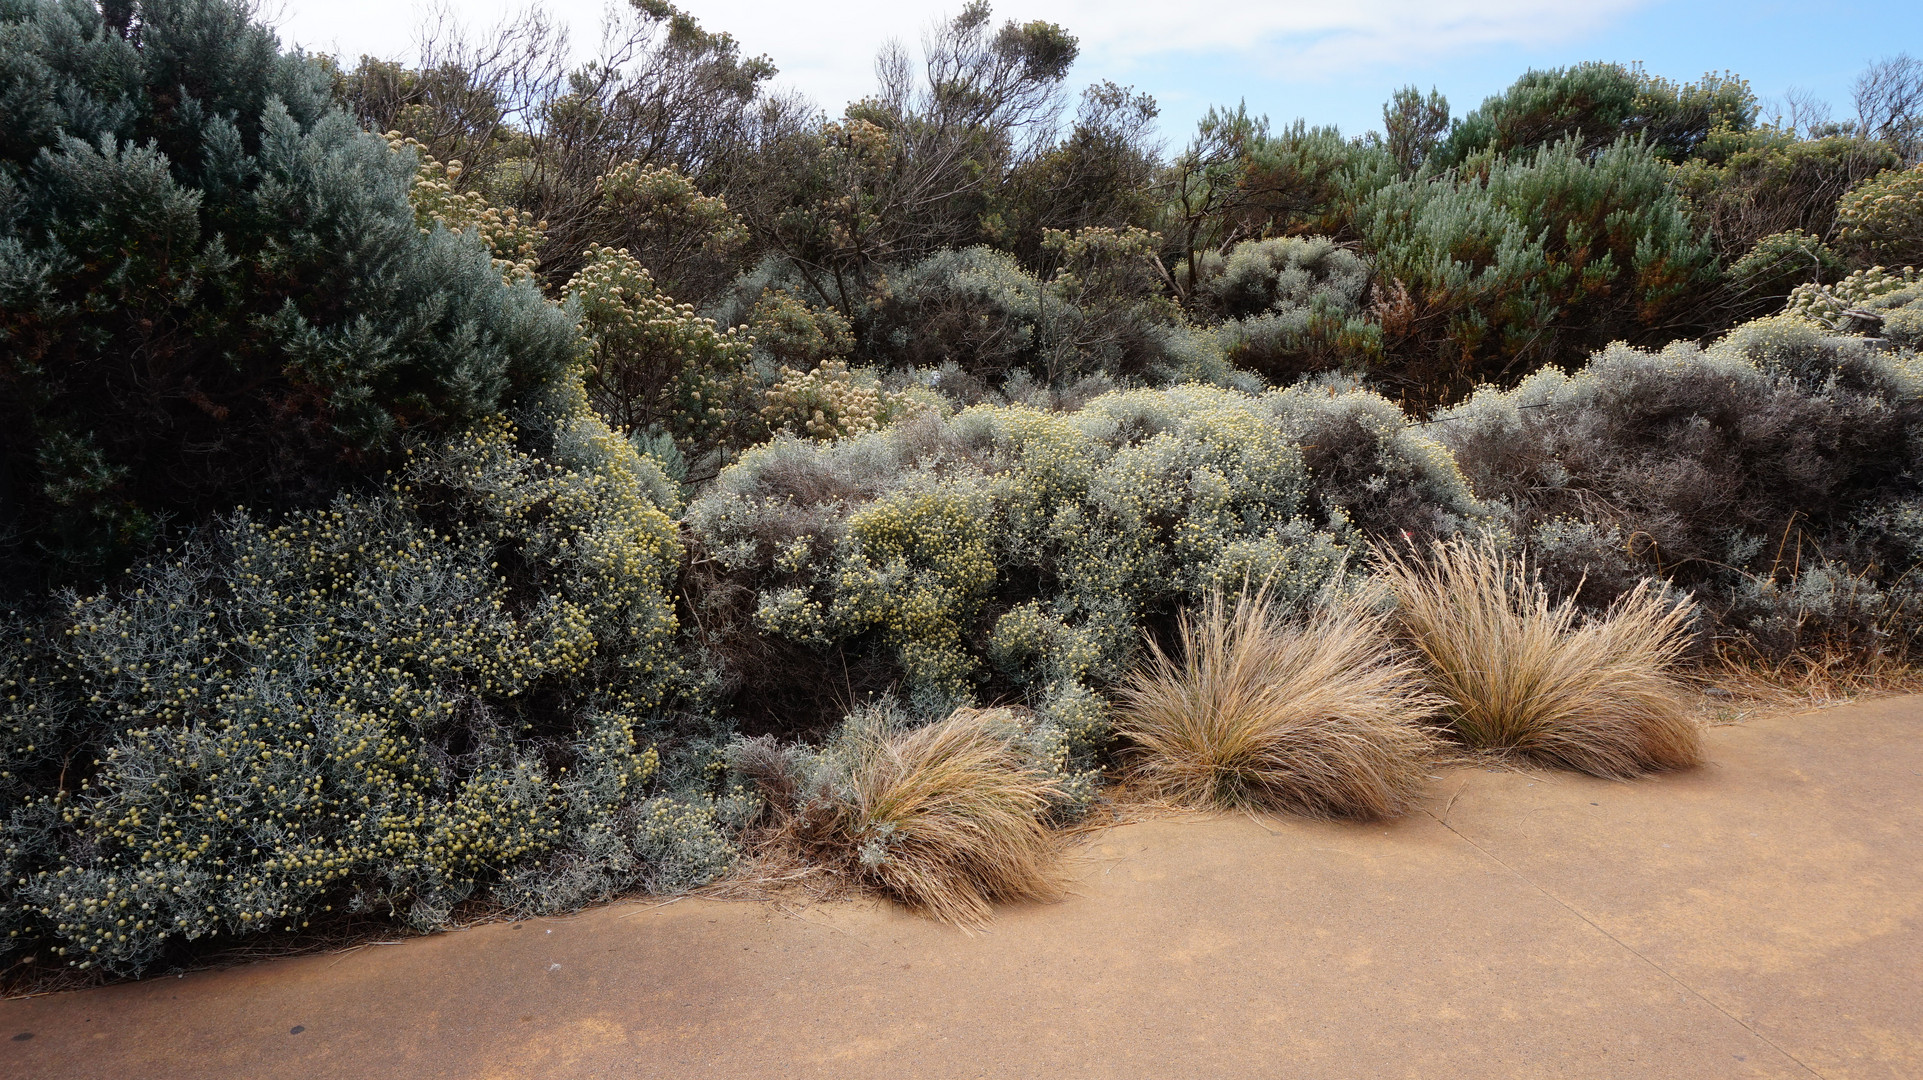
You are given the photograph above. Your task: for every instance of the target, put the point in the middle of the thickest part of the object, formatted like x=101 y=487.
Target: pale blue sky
x=1328 y=63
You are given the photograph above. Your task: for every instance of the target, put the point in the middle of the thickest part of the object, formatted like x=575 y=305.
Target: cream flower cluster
x=512 y=235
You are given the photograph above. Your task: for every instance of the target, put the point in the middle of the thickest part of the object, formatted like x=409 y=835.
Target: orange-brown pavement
x=1759 y=917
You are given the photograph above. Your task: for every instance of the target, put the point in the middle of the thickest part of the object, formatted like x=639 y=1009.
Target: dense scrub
x=374 y=707
x=412 y=638
x=584 y=472
x=177 y=193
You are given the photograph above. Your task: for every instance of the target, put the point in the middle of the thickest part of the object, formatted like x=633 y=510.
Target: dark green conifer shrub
x=1596 y=105
x=214 y=286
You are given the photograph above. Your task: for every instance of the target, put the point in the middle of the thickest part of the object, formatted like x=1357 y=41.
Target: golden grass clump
x=1323 y=719
x=1521 y=674
x=948 y=818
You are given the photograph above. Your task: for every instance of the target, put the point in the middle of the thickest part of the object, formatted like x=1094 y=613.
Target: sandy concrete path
x=1759 y=917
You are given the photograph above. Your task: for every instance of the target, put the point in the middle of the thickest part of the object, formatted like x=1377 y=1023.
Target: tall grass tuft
x=948 y=818
x=1323 y=719
x=1524 y=675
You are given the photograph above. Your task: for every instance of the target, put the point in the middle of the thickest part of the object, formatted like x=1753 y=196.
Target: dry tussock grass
x=948 y=819
x=1522 y=675
x=1323 y=719
x=1738 y=684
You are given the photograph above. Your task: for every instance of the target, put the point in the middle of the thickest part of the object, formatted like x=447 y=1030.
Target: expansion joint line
x=1625 y=946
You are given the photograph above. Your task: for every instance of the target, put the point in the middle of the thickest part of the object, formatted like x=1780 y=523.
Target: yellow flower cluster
x=918 y=564
x=660 y=196
x=1885 y=215
x=1825 y=304
x=787 y=328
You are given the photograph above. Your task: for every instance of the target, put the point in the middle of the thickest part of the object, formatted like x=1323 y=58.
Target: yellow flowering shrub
x=785 y=327
x=1883 y=218
x=382 y=706
x=1011 y=551
x=653 y=366
x=830 y=402
x=1825 y=304
x=667 y=201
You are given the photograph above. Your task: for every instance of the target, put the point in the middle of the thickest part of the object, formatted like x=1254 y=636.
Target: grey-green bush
x=1007 y=552
x=1772 y=474
x=381 y=707
x=1295 y=306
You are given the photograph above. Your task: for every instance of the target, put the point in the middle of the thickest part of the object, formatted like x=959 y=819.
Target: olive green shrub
x=654 y=368
x=1882 y=220
x=1295 y=306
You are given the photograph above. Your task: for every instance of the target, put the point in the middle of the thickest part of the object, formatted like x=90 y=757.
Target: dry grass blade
x=947 y=818
x=1521 y=674
x=1322 y=719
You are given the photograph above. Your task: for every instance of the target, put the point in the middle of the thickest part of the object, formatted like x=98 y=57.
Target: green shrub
x=1535 y=260
x=654 y=368
x=980 y=318
x=975 y=308
x=1829 y=305
x=1295 y=307
x=177 y=190
x=1770 y=271
x=1883 y=219
x=1901 y=310
x=1767 y=182
x=1596 y=105
x=830 y=402
x=379 y=707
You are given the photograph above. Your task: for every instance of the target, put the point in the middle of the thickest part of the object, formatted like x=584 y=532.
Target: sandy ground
x=1758 y=917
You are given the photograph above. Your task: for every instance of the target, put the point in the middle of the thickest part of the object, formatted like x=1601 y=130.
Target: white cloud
x=827 y=50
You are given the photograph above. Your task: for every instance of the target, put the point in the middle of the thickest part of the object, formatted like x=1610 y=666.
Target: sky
x=1328 y=62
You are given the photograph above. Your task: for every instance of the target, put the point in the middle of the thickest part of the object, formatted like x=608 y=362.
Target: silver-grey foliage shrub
x=382 y=707
x=1770 y=474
